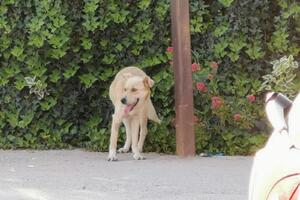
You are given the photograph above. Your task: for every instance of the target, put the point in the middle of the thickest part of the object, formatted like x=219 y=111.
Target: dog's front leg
x=135 y=137
x=114 y=138
x=127 y=145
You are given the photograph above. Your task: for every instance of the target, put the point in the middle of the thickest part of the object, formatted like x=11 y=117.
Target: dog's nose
x=123 y=101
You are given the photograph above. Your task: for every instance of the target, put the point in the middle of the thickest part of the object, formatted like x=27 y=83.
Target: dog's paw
x=112 y=157
x=123 y=150
x=138 y=156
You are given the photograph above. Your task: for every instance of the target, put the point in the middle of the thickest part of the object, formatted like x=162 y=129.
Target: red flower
x=170 y=49
x=214 y=65
x=210 y=77
x=201 y=86
x=251 y=98
x=195 y=67
x=237 y=117
x=216 y=102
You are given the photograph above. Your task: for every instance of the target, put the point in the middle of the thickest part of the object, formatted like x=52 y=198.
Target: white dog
x=276 y=169
x=130 y=95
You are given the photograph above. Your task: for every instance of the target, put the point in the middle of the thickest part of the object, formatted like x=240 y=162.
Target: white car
x=275 y=172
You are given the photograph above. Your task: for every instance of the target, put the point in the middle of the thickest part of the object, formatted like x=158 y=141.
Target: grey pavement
x=81 y=175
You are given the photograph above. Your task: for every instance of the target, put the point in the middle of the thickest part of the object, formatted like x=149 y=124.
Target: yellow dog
x=130 y=95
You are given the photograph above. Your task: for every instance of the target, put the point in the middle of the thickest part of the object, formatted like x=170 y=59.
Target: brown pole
x=185 y=136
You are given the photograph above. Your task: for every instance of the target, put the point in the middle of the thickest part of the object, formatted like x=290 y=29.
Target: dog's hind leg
x=114 y=138
x=143 y=133
x=127 y=144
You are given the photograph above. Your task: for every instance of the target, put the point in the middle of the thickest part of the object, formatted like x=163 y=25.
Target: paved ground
x=80 y=175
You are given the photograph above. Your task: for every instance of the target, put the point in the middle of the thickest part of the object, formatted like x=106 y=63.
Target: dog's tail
x=151 y=113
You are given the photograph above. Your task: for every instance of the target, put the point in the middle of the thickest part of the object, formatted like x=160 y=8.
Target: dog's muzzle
x=130 y=107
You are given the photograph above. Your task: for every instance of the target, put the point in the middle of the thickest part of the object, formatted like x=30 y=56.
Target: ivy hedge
x=57 y=59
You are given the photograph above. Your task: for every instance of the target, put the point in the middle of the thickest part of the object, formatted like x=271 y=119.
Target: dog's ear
x=148 y=82
x=127 y=75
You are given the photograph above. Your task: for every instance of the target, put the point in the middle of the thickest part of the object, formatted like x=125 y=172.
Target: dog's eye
x=133 y=90
x=124 y=89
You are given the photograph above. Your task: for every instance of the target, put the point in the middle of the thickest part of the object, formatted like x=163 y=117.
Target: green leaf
x=57 y=41
x=94 y=121
x=109 y=59
x=86 y=57
x=104 y=42
x=4 y=42
x=36 y=40
x=36 y=24
x=254 y=51
x=226 y=3
x=29 y=137
x=91 y=23
x=294 y=9
x=57 y=53
x=71 y=71
x=20 y=83
x=55 y=76
x=39 y=71
x=11 y=138
x=91 y=6
x=236 y=45
x=219 y=48
x=143 y=4
x=12 y=70
x=108 y=73
x=3 y=81
x=58 y=21
x=26 y=119
x=87 y=79
x=279 y=41
x=12 y=119
x=17 y=51
x=221 y=30
x=48 y=103
x=119 y=47
x=86 y=43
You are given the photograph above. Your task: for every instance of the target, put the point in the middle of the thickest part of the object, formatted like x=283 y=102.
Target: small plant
x=36 y=87
x=282 y=77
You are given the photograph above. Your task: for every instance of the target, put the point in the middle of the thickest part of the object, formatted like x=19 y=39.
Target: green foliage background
x=57 y=59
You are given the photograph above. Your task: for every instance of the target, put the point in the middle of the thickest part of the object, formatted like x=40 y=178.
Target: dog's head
x=135 y=91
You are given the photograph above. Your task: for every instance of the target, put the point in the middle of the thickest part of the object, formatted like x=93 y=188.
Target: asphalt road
x=81 y=175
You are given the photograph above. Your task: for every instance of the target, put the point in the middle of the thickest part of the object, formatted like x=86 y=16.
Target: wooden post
x=185 y=136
